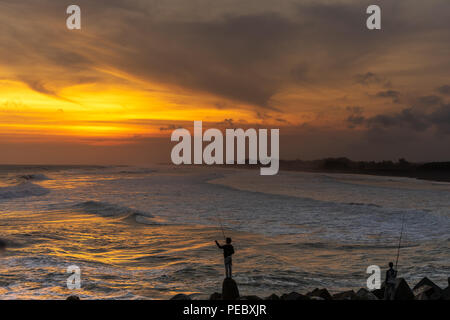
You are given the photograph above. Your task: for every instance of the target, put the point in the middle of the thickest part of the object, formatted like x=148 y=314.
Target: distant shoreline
x=430 y=171
x=436 y=177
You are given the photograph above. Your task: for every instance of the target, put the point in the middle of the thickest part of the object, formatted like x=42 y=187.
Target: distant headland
x=435 y=171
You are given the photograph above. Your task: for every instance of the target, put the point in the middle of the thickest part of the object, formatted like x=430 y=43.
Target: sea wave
x=106 y=209
x=364 y=204
x=22 y=190
x=137 y=171
x=34 y=177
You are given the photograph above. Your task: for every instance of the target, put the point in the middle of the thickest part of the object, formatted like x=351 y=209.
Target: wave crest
x=106 y=209
x=34 y=177
x=22 y=190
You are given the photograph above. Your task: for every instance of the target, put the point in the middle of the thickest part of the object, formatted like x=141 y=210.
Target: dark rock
x=294 y=296
x=379 y=293
x=428 y=287
x=425 y=281
x=252 y=298
x=446 y=292
x=215 y=296
x=402 y=291
x=346 y=295
x=230 y=290
x=273 y=296
x=180 y=296
x=425 y=290
x=73 y=298
x=421 y=296
x=321 y=293
x=364 y=294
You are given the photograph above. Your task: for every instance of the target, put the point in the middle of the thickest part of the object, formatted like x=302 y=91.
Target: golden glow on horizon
x=108 y=111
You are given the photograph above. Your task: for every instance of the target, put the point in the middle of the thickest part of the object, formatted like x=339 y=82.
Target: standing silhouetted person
x=391 y=275
x=228 y=251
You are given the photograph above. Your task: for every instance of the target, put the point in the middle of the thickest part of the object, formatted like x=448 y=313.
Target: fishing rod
x=221 y=226
x=400 y=240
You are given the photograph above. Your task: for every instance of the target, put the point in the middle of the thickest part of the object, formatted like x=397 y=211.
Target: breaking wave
x=22 y=190
x=34 y=177
x=105 y=209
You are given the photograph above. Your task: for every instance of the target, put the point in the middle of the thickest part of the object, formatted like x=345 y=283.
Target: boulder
x=273 y=296
x=180 y=296
x=446 y=291
x=446 y=294
x=346 y=295
x=321 y=293
x=294 y=296
x=73 y=298
x=429 y=288
x=402 y=291
x=230 y=290
x=379 y=293
x=364 y=294
x=250 y=298
x=425 y=281
x=215 y=296
x=421 y=296
x=424 y=290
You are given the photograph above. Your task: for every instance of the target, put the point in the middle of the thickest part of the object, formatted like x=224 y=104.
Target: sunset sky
x=113 y=91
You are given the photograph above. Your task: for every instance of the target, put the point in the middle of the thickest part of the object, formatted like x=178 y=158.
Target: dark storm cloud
x=369 y=78
x=405 y=118
x=247 y=52
x=430 y=100
x=239 y=55
x=445 y=89
x=38 y=86
x=441 y=118
x=228 y=58
x=356 y=117
x=299 y=73
x=394 y=95
x=428 y=112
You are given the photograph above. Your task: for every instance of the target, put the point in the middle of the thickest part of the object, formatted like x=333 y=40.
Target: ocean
x=148 y=233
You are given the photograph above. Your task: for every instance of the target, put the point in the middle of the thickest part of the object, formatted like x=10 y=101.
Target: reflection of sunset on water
x=149 y=232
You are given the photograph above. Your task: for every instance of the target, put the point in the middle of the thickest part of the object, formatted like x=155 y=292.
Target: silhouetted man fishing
x=391 y=275
x=228 y=251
